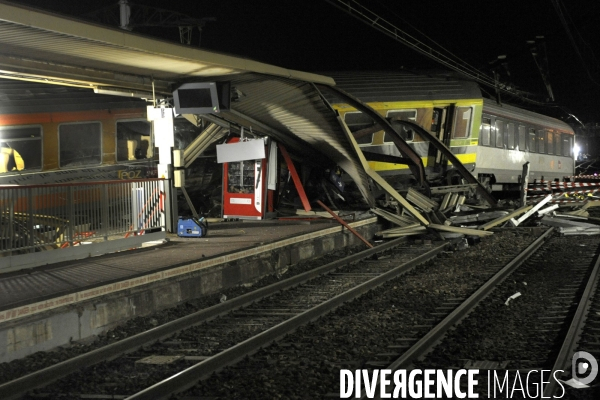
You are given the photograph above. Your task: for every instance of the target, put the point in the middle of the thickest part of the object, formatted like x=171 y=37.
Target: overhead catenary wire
x=563 y=15
x=433 y=51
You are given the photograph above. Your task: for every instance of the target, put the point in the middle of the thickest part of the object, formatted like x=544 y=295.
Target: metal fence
x=46 y=217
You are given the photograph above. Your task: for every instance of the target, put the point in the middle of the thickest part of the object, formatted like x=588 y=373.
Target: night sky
x=313 y=35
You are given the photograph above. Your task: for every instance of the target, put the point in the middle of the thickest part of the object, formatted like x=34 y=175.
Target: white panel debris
x=514 y=296
x=569 y=227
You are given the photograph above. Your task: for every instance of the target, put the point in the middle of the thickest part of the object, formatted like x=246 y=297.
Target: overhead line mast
x=130 y=15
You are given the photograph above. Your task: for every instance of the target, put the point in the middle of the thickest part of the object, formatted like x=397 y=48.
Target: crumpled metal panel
x=299 y=118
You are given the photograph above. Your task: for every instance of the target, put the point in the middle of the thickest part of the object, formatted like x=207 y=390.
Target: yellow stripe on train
x=468 y=158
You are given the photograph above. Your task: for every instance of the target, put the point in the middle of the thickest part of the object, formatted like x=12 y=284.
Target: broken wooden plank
x=532 y=211
x=401 y=220
x=505 y=218
x=453 y=189
x=464 y=231
x=401 y=229
x=548 y=209
x=413 y=231
x=314 y=213
x=421 y=201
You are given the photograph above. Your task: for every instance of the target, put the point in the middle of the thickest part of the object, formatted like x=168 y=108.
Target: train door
x=441 y=127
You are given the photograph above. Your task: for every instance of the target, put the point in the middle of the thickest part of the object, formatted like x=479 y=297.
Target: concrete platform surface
x=68 y=282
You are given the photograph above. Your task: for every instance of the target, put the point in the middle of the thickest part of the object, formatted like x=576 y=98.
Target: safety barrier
x=564 y=192
x=46 y=217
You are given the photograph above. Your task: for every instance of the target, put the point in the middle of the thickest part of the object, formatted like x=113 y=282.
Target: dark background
x=314 y=35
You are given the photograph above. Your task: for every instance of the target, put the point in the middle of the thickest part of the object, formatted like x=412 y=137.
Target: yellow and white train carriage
x=492 y=141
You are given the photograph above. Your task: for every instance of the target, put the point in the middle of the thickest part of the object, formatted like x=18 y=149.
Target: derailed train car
x=492 y=140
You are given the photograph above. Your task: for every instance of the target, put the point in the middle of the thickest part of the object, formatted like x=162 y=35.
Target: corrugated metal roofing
x=38 y=42
x=404 y=86
x=275 y=101
x=294 y=107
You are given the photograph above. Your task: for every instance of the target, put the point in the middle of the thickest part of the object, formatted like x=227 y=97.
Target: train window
x=405 y=132
x=522 y=138
x=510 y=136
x=484 y=135
x=557 y=143
x=20 y=148
x=531 y=140
x=80 y=144
x=357 y=121
x=550 y=143
x=541 y=141
x=567 y=146
x=499 y=133
x=462 y=125
x=134 y=140
x=435 y=120
x=404 y=115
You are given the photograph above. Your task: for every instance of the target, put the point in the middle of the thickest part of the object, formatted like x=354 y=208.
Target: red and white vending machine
x=244 y=178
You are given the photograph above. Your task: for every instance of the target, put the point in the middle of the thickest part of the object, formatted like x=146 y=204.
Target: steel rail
x=19 y=387
x=187 y=378
x=431 y=339
x=574 y=333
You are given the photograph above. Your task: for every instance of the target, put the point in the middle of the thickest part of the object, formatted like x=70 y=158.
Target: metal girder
x=453 y=160
x=203 y=140
x=378 y=179
x=15 y=67
x=416 y=164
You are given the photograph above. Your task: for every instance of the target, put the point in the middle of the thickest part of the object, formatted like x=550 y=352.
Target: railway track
x=360 y=334
x=194 y=346
x=516 y=332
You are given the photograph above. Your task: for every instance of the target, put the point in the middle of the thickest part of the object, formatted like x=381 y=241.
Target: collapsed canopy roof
x=284 y=104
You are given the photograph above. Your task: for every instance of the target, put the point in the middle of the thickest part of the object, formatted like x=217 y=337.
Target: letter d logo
x=581 y=363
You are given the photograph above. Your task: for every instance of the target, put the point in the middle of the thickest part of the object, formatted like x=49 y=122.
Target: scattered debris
x=505 y=218
x=514 y=296
x=532 y=211
x=464 y=231
x=569 y=227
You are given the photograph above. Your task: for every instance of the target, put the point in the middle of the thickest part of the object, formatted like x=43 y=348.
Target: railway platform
x=49 y=306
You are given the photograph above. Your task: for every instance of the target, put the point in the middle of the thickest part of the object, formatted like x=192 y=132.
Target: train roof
x=372 y=86
x=520 y=114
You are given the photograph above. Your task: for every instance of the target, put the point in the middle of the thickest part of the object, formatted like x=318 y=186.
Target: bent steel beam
x=453 y=160
x=415 y=164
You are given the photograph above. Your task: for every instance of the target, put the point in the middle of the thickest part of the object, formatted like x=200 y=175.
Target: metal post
x=30 y=219
x=524 y=183
x=104 y=216
x=70 y=227
x=171 y=211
